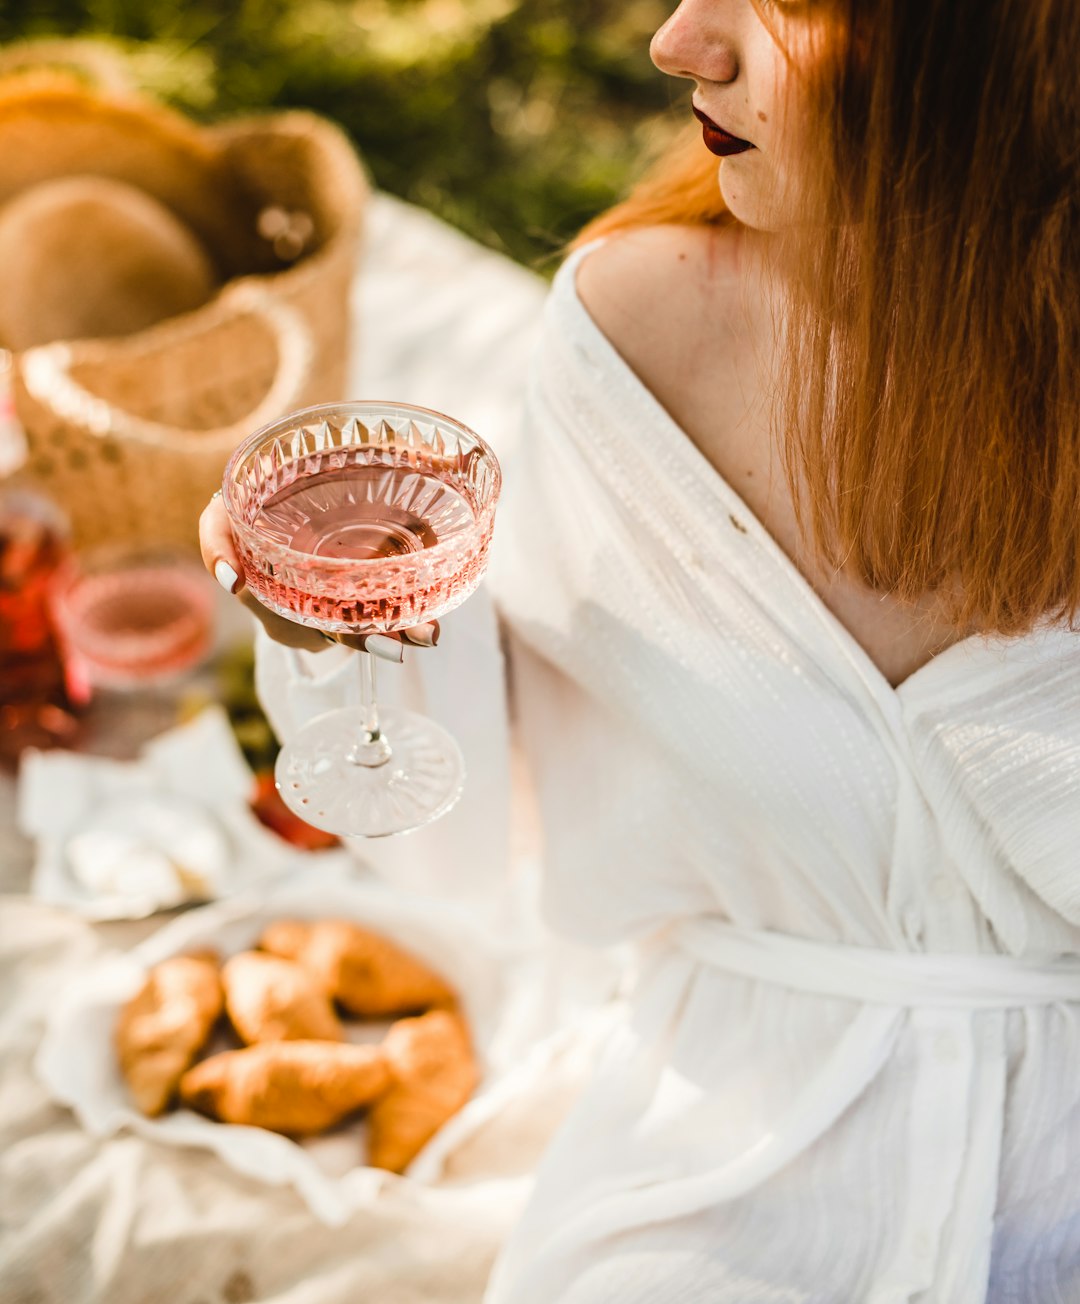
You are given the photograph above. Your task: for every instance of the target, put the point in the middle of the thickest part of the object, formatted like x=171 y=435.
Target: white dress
x=849 y=1070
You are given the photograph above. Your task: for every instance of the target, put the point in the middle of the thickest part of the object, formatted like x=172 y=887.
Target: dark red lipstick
x=717 y=139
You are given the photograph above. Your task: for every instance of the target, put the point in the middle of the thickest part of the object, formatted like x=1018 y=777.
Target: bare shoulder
x=660 y=275
x=673 y=302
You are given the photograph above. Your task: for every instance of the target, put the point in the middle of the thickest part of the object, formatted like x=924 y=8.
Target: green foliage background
x=516 y=120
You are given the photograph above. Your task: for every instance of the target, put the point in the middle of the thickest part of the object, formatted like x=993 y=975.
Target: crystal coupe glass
x=364 y=518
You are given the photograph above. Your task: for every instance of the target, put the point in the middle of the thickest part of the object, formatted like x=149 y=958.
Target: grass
x=515 y=120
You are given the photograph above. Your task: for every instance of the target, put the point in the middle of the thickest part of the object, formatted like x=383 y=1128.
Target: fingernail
x=423 y=635
x=388 y=649
x=226 y=576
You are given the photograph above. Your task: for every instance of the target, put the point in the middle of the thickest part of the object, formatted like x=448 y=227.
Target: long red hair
x=929 y=405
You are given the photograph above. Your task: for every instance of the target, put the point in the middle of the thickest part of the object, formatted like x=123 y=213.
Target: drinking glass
x=132 y=617
x=364 y=518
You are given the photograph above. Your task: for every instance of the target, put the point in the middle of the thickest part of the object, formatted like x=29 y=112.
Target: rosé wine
x=369 y=512
x=128 y=619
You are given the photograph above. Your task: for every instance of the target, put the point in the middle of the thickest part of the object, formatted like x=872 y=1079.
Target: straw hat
x=90 y=257
x=212 y=269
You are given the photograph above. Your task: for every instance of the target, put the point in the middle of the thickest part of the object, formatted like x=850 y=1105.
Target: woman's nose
x=695 y=42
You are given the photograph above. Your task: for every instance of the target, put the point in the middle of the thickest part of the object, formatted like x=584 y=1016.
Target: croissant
x=297 y=1087
x=368 y=974
x=270 y=999
x=165 y=1025
x=433 y=1073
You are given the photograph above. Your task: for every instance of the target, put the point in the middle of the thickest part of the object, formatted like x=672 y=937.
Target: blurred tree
x=516 y=120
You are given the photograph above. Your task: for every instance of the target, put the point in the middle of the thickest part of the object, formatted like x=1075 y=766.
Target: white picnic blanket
x=128 y=1220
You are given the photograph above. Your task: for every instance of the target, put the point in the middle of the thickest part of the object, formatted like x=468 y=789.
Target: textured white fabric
x=124 y=1220
x=786 y=1113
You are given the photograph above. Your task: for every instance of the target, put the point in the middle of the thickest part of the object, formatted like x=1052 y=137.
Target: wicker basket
x=131 y=434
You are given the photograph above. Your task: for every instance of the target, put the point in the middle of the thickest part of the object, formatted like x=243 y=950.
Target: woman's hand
x=221 y=560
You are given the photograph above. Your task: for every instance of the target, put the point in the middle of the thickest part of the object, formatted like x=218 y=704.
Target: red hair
x=929 y=404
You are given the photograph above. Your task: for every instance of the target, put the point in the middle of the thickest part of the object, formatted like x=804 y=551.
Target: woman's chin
x=753 y=205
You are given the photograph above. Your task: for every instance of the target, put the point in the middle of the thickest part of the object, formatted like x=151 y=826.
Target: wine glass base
x=422 y=780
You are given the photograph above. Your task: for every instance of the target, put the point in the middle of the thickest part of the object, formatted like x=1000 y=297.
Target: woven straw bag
x=130 y=434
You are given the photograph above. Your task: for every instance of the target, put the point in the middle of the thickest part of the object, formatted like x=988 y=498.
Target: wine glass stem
x=371 y=747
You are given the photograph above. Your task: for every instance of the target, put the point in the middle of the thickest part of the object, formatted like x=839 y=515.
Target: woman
x=790 y=581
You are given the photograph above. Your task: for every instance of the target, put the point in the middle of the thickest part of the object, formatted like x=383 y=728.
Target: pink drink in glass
x=364 y=518
x=373 y=511
x=129 y=619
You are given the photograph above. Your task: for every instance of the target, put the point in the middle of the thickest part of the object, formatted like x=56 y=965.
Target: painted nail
x=388 y=649
x=226 y=576
x=423 y=635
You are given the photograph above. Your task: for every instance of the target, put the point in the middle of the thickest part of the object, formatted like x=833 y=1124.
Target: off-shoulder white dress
x=849 y=1070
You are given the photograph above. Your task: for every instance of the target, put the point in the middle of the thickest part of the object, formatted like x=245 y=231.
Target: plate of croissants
x=327 y=1035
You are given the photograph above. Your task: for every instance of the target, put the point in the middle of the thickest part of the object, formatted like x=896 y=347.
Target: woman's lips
x=717 y=139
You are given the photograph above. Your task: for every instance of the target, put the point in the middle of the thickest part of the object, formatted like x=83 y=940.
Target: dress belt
x=956 y=980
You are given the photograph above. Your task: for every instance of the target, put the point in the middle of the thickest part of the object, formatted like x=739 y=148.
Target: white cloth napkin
x=123 y=839
x=512 y=1037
